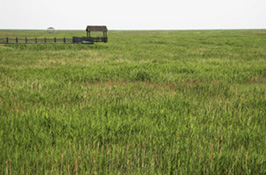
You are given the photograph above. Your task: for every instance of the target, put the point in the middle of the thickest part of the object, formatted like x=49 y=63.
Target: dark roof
x=96 y=28
x=50 y=28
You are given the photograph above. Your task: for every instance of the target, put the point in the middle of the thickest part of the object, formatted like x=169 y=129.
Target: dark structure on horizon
x=90 y=29
x=89 y=39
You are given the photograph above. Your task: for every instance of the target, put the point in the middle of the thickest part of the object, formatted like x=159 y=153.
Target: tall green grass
x=146 y=102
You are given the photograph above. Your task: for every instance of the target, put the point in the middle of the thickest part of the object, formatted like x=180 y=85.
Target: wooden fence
x=17 y=40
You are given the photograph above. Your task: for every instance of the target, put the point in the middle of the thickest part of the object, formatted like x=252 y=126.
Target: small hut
x=103 y=29
x=50 y=30
x=92 y=39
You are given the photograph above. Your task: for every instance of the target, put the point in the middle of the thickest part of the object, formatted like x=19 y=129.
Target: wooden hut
x=103 y=29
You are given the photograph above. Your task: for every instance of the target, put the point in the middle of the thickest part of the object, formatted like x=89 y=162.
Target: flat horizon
x=145 y=29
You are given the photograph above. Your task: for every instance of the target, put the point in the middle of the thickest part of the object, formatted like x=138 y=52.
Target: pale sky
x=134 y=14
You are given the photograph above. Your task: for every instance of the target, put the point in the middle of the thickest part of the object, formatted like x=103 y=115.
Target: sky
x=133 y=14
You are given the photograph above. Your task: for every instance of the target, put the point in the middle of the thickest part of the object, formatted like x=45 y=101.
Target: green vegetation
x=146 y=102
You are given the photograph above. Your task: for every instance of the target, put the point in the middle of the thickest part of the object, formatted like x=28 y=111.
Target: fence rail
x=17 y=40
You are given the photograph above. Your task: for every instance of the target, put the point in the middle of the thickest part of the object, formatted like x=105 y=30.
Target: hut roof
x=96 y=28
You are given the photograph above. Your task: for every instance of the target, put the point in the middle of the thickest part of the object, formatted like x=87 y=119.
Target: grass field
x=146 y=102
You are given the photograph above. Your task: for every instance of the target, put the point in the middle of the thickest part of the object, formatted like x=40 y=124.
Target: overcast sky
x=134 y=14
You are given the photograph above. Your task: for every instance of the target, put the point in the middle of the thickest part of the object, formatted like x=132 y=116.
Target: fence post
x=16 y=39
x=44 y=39
x=26 y=40
x=64 y=40
x=35 y=40
x=7 y=40
x=54 y=39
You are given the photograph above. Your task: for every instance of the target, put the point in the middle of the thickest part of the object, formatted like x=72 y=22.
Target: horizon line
x=145 y=29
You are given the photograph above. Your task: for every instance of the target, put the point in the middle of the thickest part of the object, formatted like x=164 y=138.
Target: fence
x=26 y=40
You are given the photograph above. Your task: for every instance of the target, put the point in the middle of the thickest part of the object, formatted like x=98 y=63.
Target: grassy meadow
x=146 y=102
